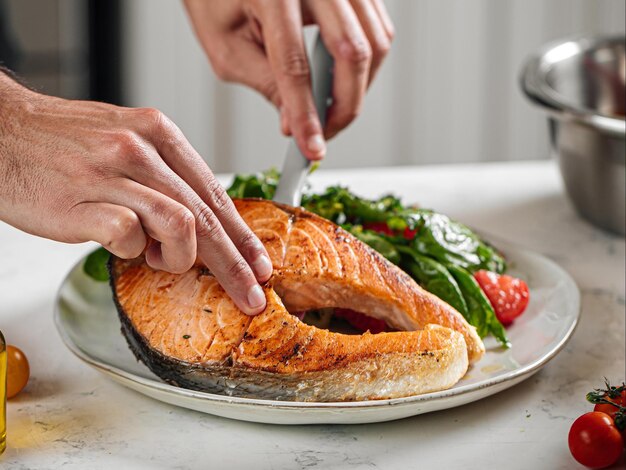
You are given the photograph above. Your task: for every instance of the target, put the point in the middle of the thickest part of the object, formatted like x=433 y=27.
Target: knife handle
x=322 y=79
x=296 y=165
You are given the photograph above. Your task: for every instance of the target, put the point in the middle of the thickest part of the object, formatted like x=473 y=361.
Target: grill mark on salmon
x=274 y=355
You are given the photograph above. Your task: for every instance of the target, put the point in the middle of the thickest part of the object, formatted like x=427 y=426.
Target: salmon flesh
x=186 y=329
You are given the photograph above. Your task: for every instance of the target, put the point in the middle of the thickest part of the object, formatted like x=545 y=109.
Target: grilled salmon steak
x=186 y=329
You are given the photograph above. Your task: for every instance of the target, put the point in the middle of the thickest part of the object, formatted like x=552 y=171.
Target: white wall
x=448 y=92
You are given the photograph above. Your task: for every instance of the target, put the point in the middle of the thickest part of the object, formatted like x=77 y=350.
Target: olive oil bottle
x=3 y=394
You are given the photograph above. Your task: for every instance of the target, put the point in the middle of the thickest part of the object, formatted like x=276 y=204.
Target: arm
x=75 y=171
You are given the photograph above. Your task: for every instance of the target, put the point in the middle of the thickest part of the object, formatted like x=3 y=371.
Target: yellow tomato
x=18 y=371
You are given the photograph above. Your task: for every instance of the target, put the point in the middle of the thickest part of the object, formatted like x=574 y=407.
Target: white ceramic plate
x=88 y=324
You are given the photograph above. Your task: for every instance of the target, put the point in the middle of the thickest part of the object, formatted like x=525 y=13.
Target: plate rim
x=528 y=370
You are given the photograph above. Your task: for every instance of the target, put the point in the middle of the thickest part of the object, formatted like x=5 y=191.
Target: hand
x=75 y=171
x=259 y=43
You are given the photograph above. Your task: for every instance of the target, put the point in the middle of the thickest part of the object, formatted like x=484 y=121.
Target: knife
x=296 y=166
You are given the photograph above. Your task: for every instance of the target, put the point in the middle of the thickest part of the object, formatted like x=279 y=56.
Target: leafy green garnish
x=480 y=311
x=261 y=185
x=96 y=265
x=341 y=206
x=435 y=278
x=452 y=243
x=376 y=241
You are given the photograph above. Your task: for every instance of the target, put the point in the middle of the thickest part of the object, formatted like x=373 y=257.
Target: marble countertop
x=72 y=417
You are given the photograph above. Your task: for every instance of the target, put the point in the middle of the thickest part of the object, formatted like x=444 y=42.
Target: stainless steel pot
x=581 y=83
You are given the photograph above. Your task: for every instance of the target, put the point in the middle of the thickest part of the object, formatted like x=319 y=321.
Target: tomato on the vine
x=609 y=409
x=594 y=441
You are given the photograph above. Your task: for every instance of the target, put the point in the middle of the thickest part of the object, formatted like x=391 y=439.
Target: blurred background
x=448 y=92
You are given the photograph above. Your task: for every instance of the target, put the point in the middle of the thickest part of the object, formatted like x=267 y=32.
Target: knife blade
x=296 y=166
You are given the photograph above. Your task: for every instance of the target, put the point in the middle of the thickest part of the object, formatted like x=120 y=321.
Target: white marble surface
x=71 y=417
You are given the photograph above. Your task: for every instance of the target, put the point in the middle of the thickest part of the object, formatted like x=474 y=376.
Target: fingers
x=384 y=17
x=247 y=64
x=116 y=228
x=184 y=176
x=259 y=43
x=348 y=44
x=163 y=219
x=376 y=32
x=173 y=226
x=224 y=242
x=284 y=44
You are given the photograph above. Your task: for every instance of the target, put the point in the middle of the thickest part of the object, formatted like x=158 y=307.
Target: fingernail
x=316 y=144
x=263 y=267
x=256 y=297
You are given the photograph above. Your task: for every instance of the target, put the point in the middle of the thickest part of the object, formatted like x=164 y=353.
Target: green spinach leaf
x=434 y=277
x=481 y=313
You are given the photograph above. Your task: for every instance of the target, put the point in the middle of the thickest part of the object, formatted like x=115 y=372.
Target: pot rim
x=533 y=82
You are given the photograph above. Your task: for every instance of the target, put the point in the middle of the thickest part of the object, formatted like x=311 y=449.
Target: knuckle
x=128 y=142
x=208 y=224
x=356 y=50
x=180 y=223
x=295 y=65
x=220 y=200
x=129 y=149
x=151 y=115
x=238 y=269
x=381 y=47
x=249 y=243
x=156 y=122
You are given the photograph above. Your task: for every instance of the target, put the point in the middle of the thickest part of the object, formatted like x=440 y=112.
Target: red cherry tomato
x=594 y=441
x=409 y=234
x=508 y=295
x=612 y=410
x=609 y=409
x=382 y=227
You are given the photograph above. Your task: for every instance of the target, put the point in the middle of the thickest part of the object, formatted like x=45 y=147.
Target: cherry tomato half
x=508 y=295
x=18 y=371
x=594 y=441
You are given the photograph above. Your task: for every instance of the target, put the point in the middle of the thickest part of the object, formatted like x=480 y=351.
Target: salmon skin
x=187 y=331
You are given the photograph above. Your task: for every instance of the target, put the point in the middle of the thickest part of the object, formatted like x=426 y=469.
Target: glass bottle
x=3 y=394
